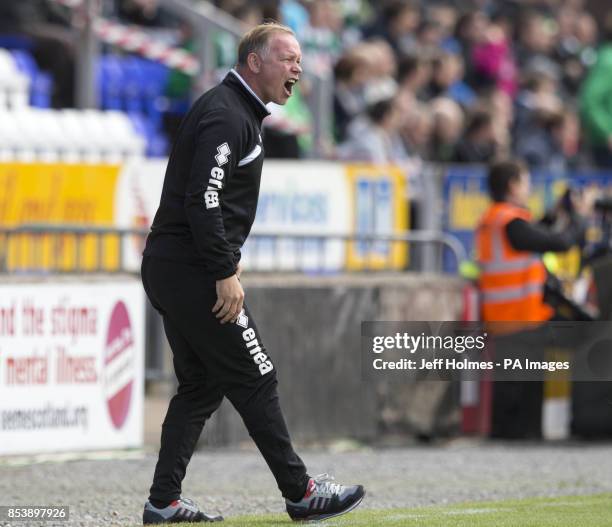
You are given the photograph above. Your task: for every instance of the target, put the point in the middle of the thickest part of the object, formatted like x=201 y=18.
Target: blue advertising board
x=466 y=198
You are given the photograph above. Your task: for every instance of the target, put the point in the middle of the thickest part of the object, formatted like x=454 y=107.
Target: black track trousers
x=212 y=361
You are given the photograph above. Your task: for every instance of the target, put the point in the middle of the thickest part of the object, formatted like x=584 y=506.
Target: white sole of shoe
x=328 y=516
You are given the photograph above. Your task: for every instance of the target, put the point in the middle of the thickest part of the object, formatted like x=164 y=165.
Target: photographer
x=515 y=286
x=509 y=245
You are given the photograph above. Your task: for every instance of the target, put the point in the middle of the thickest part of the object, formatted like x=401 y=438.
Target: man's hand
x=230 y=297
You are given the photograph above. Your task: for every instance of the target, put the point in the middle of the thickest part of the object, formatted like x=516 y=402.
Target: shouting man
x=191 y=270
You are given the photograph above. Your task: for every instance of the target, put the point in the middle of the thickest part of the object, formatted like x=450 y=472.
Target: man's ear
x=254 y=62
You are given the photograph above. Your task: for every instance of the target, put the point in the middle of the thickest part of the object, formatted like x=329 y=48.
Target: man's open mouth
x=289 y=86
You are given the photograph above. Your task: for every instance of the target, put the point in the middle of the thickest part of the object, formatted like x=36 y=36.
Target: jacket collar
x=234 y=80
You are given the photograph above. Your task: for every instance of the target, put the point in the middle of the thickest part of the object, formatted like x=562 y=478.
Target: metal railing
x=378 y=252
x=43 y=248
x=59 y=249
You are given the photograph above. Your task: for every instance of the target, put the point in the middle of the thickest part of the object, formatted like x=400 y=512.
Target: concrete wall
x=311 y=329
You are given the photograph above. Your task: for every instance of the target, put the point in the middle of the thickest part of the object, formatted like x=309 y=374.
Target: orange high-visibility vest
x=511 y=282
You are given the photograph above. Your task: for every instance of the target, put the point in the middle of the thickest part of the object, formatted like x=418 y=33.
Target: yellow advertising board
x=468 y=204
x=379 y=207
x=75 y=194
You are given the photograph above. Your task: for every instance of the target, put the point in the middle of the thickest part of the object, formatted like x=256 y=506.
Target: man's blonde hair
x=257 y=40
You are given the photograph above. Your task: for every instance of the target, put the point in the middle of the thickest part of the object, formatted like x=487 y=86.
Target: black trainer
x=181 y=510
x=324 y=499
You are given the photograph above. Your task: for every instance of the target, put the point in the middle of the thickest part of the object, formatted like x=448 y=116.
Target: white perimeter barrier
x=305 y=197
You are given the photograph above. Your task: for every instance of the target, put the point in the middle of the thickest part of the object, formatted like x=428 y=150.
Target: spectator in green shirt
x=596 y=101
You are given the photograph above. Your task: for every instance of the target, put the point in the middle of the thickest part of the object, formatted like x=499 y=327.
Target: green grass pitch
x=566 y=511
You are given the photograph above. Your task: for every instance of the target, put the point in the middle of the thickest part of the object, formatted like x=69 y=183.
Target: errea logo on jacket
x=215 y=183
x=223 y=151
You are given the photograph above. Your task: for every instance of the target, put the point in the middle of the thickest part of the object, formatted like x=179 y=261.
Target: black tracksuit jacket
x=211 y=186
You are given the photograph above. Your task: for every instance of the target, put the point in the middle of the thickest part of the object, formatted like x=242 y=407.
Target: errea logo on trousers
x=242 y=320
x=259 y=357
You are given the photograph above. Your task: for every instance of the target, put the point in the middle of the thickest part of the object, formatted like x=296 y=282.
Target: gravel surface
x=110 y=488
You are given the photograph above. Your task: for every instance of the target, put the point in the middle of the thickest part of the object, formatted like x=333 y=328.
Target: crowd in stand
x=445 y=81
x=451 y=82
x=460 y=81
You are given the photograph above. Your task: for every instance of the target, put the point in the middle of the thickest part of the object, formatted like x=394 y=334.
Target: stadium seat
x=136 y=86
x=89 y=136
x=14 y=85
x=31 y=131
x=40 y=93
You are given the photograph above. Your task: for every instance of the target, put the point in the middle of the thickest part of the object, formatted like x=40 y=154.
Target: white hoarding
x=305 y=197
x=71 y=366
x=137 y=197
x=295 y=197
